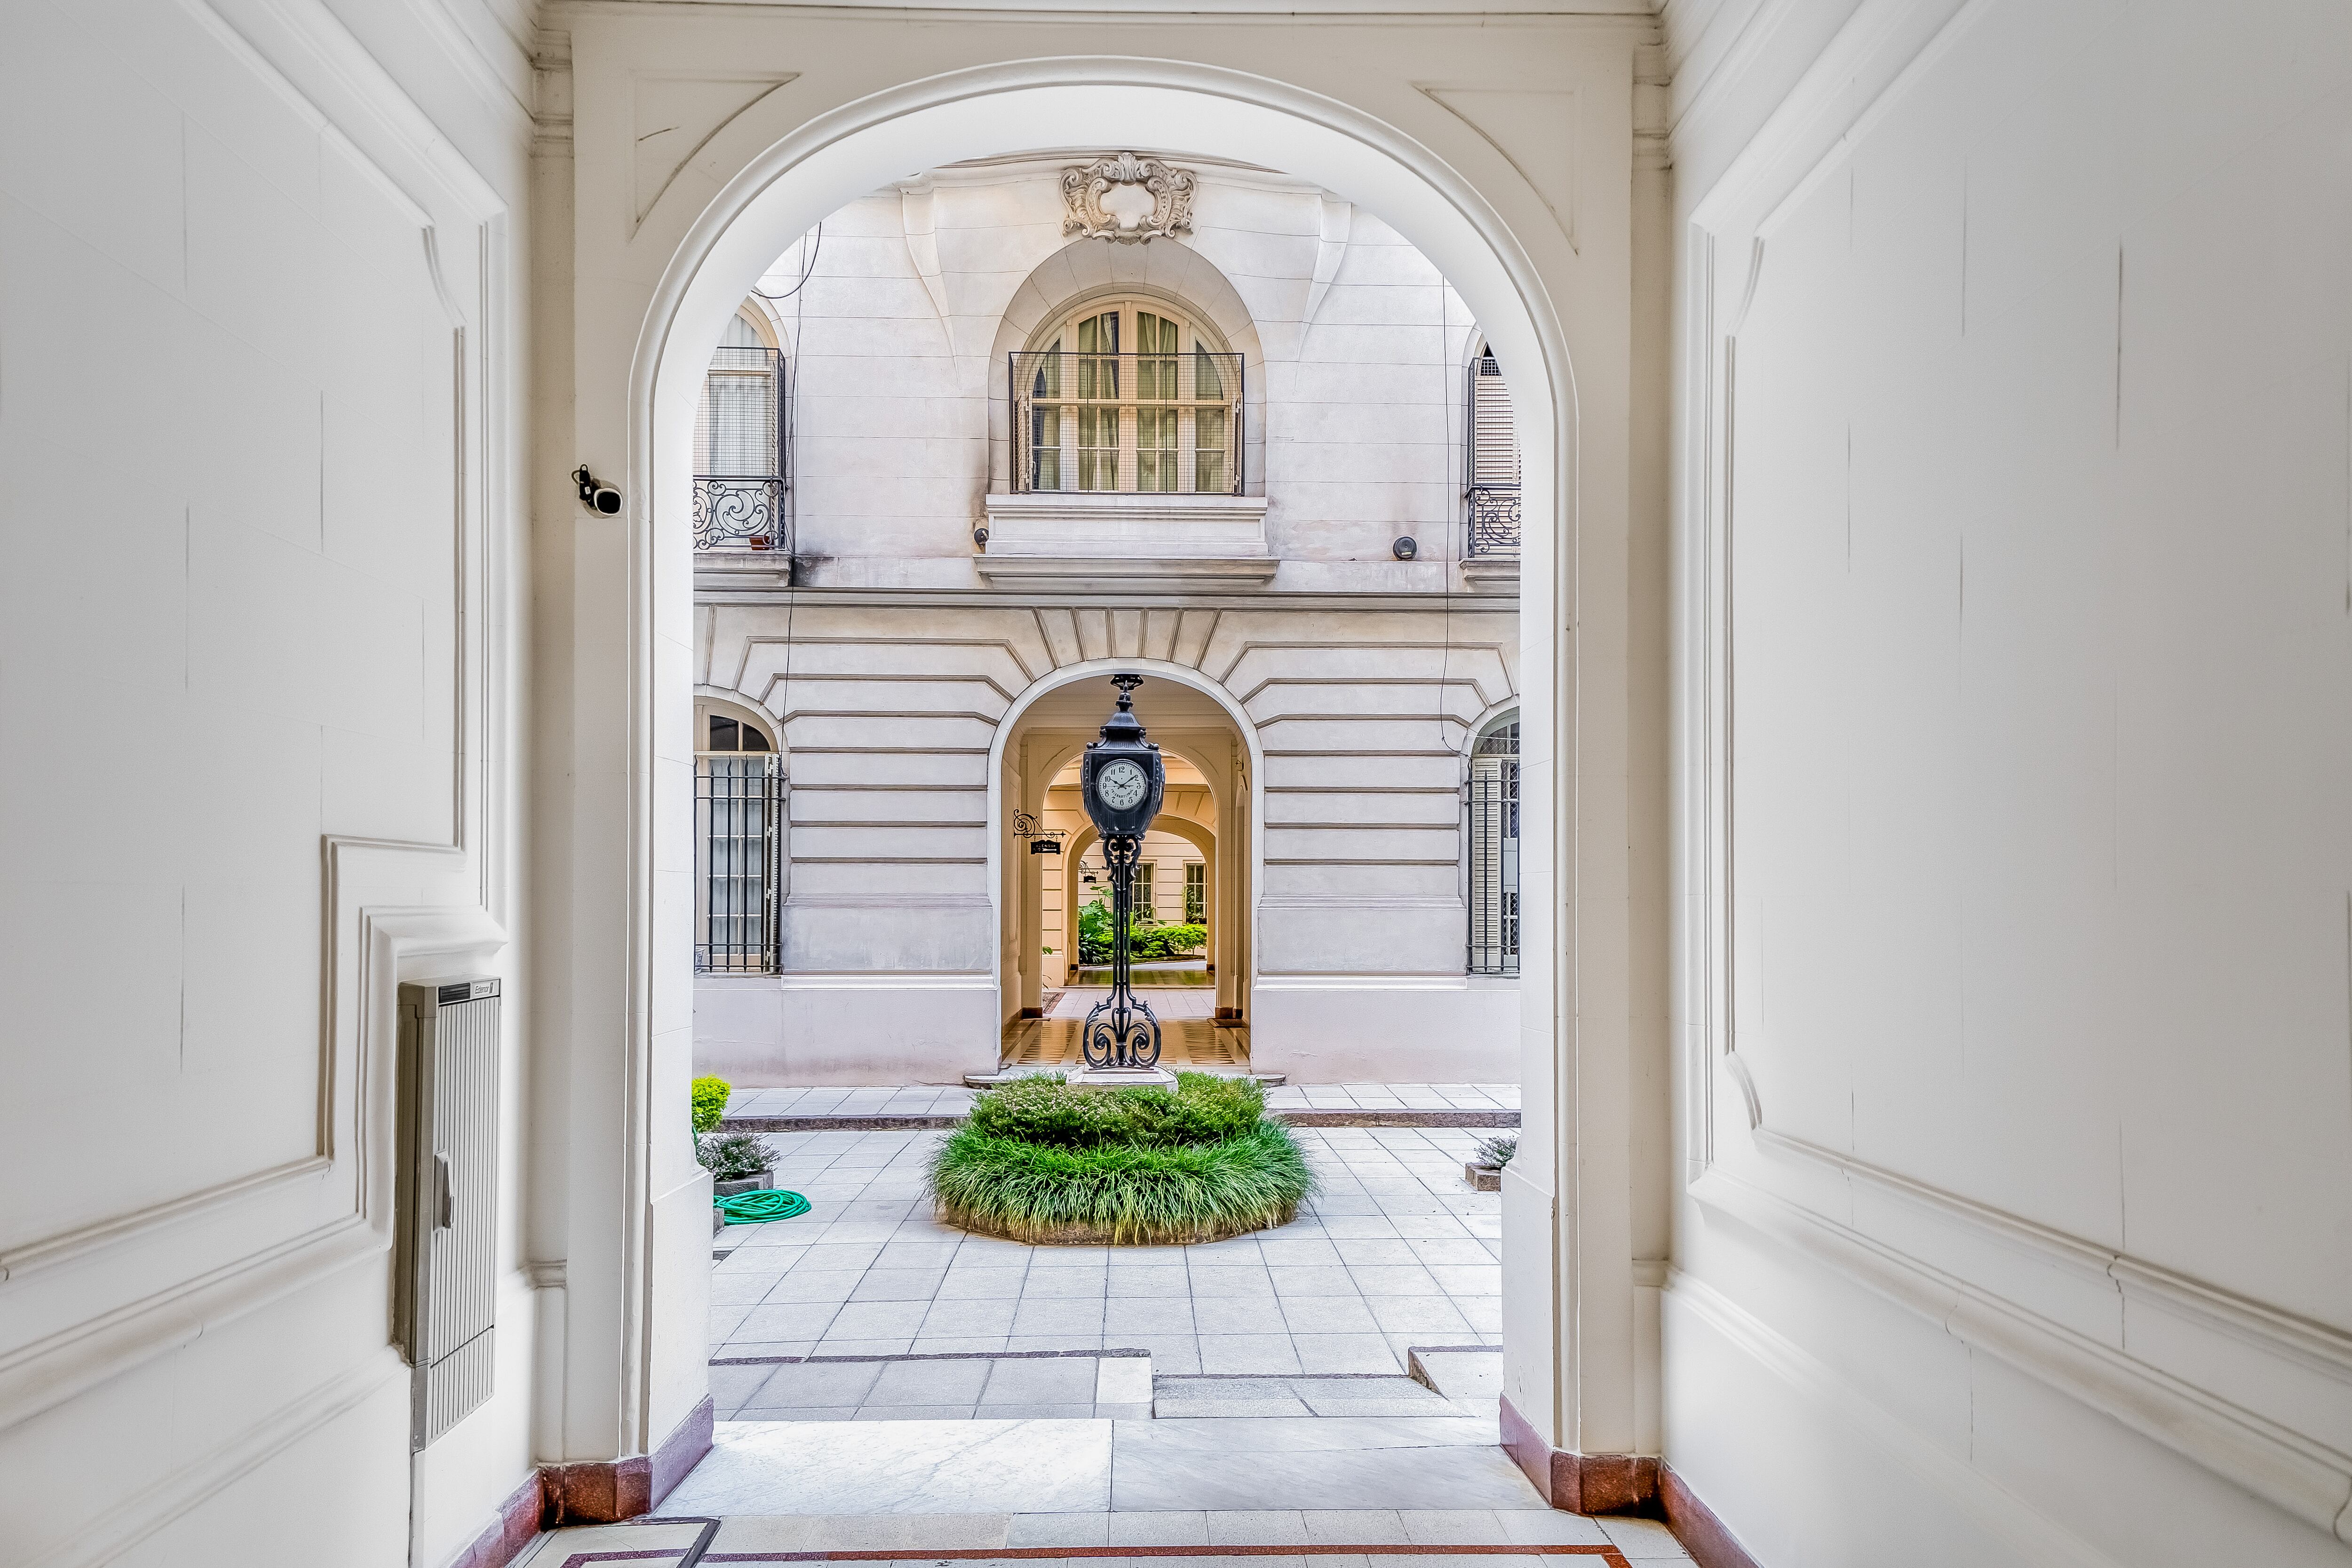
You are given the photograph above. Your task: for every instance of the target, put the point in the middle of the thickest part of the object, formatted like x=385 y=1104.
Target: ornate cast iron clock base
x=1121 y=1033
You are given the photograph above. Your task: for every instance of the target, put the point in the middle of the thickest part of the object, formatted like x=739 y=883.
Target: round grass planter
x=1043 y=1163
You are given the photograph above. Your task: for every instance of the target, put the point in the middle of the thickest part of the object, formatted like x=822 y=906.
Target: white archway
x=813 y=169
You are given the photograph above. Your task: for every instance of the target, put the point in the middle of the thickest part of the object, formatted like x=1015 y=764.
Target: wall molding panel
x=2256 y=1394
x=346 y=582
x=2037 y=1541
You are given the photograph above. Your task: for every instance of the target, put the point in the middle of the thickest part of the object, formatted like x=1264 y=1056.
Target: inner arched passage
x=1041 y=897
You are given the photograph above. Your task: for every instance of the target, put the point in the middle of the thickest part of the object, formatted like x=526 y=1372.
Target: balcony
x=1490 y=542
x=1493 y=517
x=740 y=513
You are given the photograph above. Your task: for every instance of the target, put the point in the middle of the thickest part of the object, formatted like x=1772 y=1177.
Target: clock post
x=1121 y=781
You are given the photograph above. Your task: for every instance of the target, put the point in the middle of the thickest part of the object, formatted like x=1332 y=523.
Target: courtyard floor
x=1395 y=1252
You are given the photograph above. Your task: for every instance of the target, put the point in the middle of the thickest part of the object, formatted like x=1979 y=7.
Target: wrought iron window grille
x=1493 y=831
x=739 y=839
x=1164 y=424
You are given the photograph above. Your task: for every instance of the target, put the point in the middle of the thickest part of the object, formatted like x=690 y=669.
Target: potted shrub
x=1485 y=1170
x=710 y=1097
x=738 y=1162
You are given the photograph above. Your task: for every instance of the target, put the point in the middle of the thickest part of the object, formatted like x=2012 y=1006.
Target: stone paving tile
x=1395 y=1251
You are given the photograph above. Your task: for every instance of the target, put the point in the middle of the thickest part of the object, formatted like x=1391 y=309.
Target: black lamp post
x=1121 y=779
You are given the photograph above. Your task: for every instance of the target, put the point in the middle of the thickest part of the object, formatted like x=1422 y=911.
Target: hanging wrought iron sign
x=1043 y=840
x=1121 y=781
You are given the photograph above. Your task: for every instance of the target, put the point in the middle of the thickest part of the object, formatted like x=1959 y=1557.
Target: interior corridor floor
x=1098 y=1537
x=889 y=1386
x=1190 y=1034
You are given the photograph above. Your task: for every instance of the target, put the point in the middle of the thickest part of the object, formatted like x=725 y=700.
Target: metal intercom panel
x=446 y=1226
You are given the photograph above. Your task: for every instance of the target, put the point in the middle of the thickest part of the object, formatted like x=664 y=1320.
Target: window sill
x=1105 y=539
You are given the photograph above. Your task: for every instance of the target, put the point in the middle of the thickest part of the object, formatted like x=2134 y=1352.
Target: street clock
x=1120 y=781
x=1121 y=778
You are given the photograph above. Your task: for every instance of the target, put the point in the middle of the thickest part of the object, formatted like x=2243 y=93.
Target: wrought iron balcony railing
x=1493 y=520
x=740 y=514
x=1143 y=424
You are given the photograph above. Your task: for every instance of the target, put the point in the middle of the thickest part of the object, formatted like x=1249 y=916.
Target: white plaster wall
x=1398 y=1028
x=2034 y=409
x=258 y=373
x=897 y=318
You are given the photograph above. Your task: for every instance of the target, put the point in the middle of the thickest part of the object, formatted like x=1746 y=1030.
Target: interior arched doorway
x=1212 y=751
x=815 y=164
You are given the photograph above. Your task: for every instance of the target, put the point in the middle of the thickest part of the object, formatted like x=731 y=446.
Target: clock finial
x=1126 y=685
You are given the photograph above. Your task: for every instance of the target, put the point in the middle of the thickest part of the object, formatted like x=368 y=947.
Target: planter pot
x=1483 y=1178
x=743 y=1183
x=1076 y=1235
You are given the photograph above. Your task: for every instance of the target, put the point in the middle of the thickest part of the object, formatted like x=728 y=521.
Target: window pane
x=1097 y=448
x=753 y=740
x=1044 y=448
x=1155 y=378
x=1155 y=449
x=738 y=425
x=723 y=733
x=1208 y=379
x=1209 y=452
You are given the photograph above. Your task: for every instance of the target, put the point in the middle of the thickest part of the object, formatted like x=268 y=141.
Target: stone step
x=1177 y=1396
x=1461 y=1372
x=1297 y=1536
x=1003 y=1385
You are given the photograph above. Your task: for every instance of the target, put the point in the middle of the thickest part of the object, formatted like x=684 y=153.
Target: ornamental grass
x=1040 y=1161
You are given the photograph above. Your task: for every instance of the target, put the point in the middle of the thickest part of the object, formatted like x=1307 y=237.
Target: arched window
x=1128 y=394
x=738 y=844
x=1494 y=836
x=738 y=444
x=1491 y=460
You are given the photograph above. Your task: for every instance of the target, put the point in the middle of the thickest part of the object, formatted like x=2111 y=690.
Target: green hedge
x=1203 y=1109
x=1040 y=1161
x=1146 y=937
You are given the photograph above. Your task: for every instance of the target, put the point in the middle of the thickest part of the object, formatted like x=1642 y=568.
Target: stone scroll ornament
x=1127 y=199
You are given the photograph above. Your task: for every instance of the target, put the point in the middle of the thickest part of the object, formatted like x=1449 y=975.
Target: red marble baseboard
x=505 y=1537
x=1623 y=1483
x=606 y=1492
x=1581 y=1483
x=1710 y=1544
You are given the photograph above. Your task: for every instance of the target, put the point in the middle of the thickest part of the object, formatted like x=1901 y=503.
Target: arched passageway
x=716 y=248
x=1203 y=837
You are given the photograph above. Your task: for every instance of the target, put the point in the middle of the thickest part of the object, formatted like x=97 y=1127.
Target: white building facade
x=1038 y=419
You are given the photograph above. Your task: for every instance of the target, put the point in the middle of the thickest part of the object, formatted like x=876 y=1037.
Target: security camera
x=595 y=494
x=1405 y=548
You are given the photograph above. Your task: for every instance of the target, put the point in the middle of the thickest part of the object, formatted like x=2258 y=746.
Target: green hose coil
x=759 y=1207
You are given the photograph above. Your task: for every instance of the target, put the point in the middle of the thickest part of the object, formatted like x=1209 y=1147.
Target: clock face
x=1121 y=785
